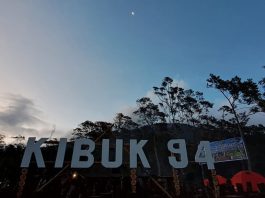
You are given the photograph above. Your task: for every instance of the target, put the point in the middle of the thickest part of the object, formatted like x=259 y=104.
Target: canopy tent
x=245 y=178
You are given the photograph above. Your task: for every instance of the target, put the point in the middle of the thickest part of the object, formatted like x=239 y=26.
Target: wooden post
x=215 y=184
x=133 y=180
x=21 y=183
x=176 y=181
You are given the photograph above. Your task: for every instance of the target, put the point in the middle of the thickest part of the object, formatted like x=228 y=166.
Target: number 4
x=204 y=154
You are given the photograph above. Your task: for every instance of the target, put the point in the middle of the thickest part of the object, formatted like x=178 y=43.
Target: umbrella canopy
x=220 y=179
x=244 y=177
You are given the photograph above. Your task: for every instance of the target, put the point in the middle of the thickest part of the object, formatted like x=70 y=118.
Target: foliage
x=241 y=97
x=148 y=112
x=255 y=129
x=171 y=97
x=261 y=100
x=180 y=105
x=195 y=107
x=89 y=129
x=123 y=122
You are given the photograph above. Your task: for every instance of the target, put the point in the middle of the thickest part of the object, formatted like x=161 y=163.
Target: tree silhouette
x=195 y=108
x=148 y=112
x=123 y=122
x=89 y=129
x=19 y=139
x=261 y=100
x=241 y=97
x=180 y=105
x=171 y=97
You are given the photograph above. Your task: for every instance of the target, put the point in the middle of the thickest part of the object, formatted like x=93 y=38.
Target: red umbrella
x=220 y=179
x=243 y=177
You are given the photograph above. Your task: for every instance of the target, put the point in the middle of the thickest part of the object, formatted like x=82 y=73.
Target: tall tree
x=171 y=97
x=180 y=105
x=148 y=112
x=241 y=97
x=195 y=108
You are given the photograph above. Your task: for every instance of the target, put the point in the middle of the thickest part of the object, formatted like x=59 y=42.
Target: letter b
x=78 y=152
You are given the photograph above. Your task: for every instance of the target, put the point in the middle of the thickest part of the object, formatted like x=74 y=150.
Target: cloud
x=20 y=112
x=180 y=83
x=256 y=119
x=128 y=111
x=20 y=116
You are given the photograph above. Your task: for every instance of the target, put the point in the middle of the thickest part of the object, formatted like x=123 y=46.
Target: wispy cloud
x=128 y=111
x=20 y=116
x=20 y=111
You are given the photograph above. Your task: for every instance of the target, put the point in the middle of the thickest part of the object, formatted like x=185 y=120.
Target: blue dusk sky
x=64 y=62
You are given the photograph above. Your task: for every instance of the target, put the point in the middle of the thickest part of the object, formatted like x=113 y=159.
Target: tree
x=149 y=115
x=261 y=100
x=256 y=129
x=180 y=105
x=123 y=122
x=170 y=97
x=19 y=140
x=89 y=129
x=148 y=112
x=195 y=108
x=241 y=97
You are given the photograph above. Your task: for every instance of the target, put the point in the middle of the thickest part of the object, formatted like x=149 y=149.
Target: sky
x=64 y=62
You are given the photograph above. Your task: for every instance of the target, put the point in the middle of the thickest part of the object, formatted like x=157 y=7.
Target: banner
x=228 y=150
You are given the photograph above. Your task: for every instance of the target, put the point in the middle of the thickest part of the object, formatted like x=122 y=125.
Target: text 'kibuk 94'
x=84 y=147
